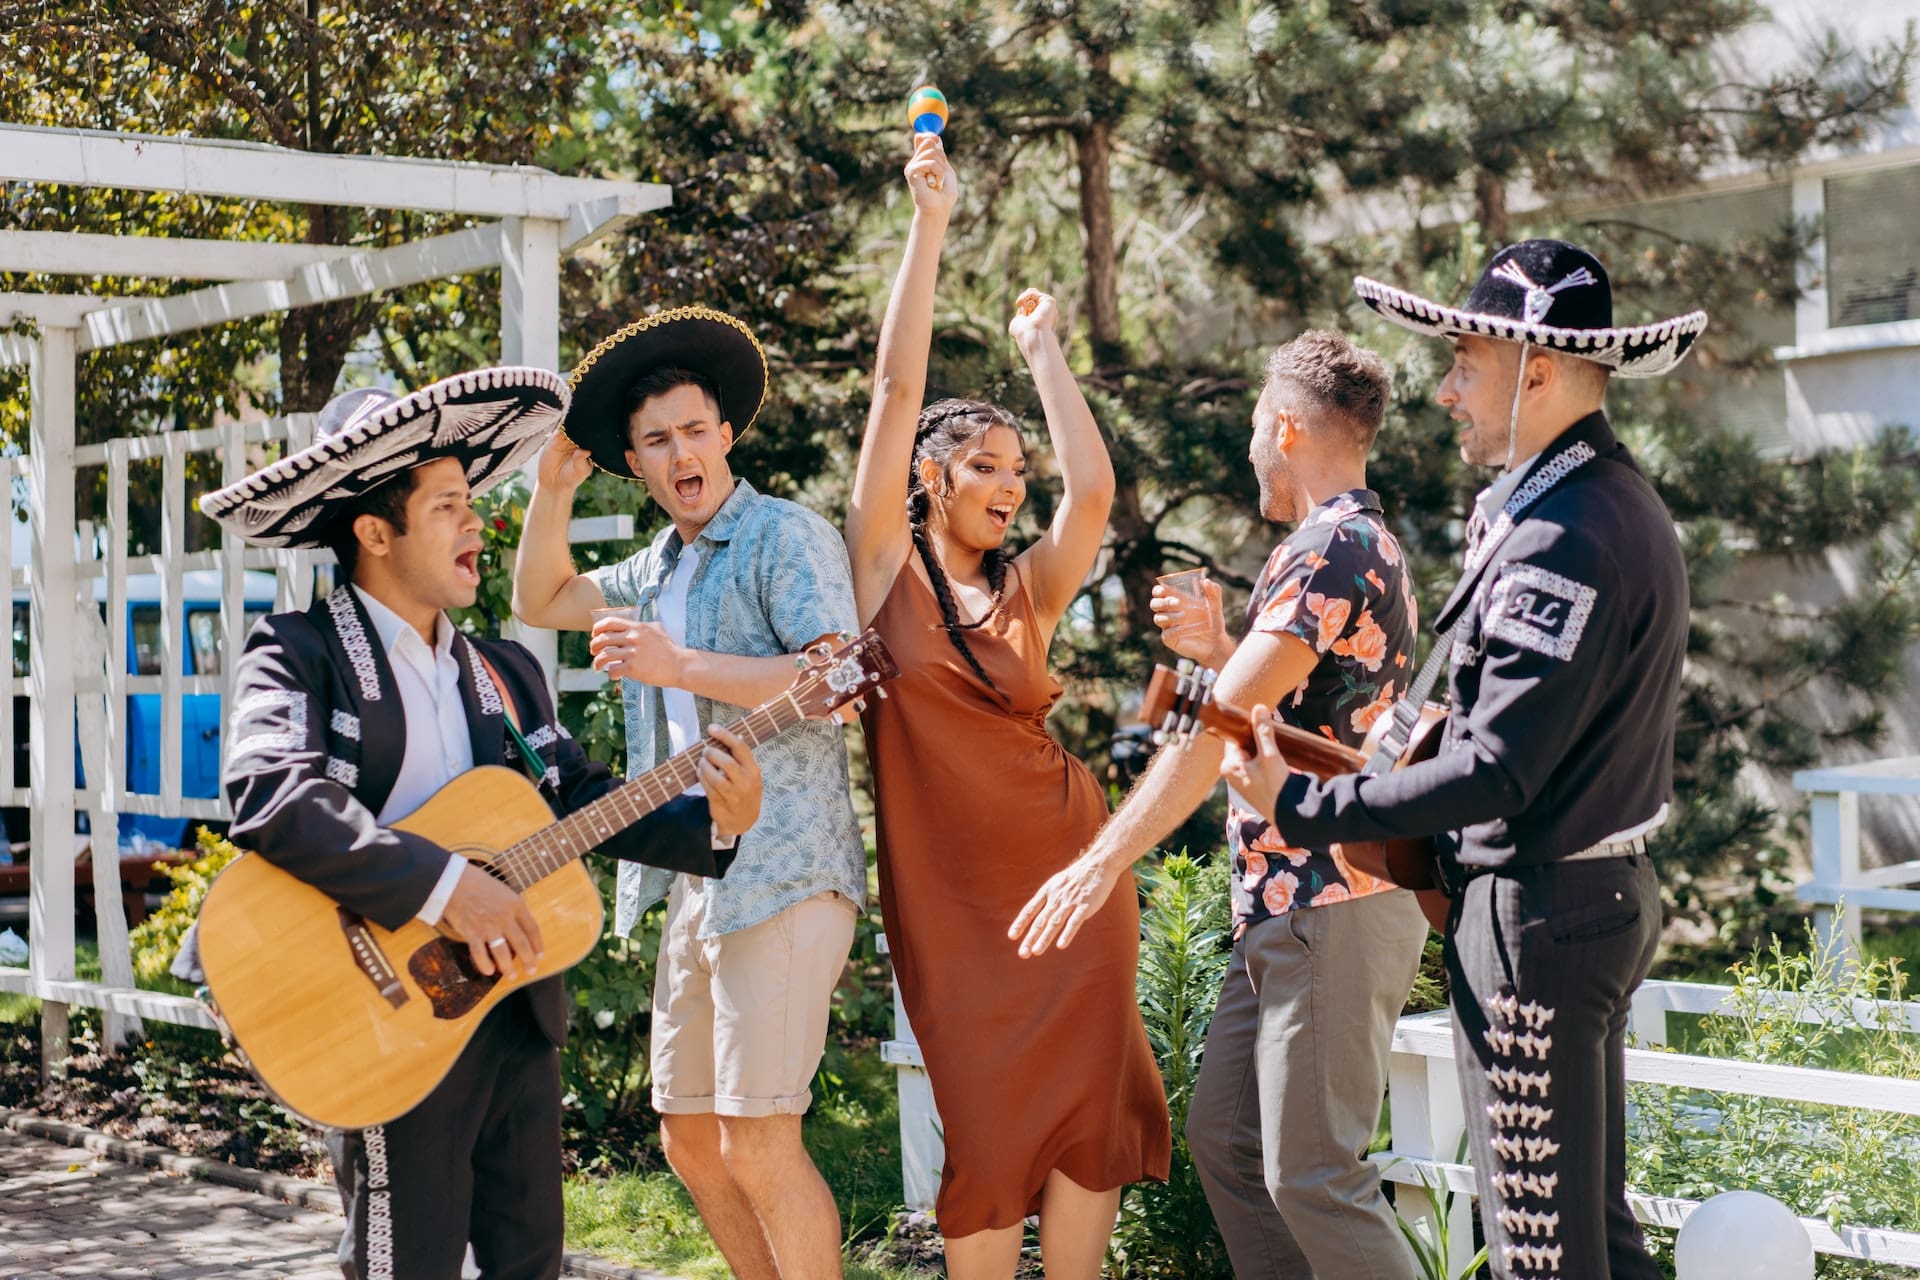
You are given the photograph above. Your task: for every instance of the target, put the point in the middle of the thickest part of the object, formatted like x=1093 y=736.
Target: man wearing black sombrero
x=350 y=715
x=716 y=607
x=1564 y=641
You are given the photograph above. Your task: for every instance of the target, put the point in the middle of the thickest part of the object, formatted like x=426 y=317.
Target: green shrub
x=1166 y=1229
x=603 y=1069
x=155 y=940
x=1846 y=1165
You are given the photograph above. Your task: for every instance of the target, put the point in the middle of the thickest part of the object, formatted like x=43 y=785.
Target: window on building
x=1873 y=258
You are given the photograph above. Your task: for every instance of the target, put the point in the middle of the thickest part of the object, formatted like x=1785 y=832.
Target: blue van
x=200 y=722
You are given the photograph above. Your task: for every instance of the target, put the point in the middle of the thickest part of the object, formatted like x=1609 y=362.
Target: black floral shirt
x=1339 y=584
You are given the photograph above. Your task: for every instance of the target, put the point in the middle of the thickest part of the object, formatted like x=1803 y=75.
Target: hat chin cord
x=1513 y=416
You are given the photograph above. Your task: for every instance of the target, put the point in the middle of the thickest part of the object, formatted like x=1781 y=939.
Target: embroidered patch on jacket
x=346 y=725
x=490 y=704
x=353 y=638
x=344 y=772
x=1540 y=610
x=542 y=737
x=269 y=720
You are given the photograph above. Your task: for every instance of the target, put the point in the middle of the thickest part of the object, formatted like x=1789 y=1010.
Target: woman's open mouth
x=1001 y=516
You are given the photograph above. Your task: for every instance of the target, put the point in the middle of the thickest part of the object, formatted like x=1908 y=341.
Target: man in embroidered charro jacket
x=350 y=715
x=1565 y=639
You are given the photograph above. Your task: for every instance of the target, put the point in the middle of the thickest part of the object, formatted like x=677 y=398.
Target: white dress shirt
x=683 y=717
x=438 y=748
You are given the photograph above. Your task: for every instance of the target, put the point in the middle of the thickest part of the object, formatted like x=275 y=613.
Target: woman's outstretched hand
x=930 y=176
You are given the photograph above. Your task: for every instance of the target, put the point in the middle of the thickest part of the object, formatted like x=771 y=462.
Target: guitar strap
x=535 y=765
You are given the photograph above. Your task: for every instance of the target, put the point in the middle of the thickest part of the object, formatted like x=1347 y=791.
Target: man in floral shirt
x=1323 y=955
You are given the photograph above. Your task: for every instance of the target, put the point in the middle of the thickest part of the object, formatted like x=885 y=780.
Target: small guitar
x=1179 y=703
x=350 y=1025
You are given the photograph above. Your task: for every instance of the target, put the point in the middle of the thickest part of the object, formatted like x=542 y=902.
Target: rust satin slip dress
x=1037 y=1064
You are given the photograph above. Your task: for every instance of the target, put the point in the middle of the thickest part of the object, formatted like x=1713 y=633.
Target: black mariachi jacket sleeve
x=1566 y=672
x=293 y=809
x=678 y=835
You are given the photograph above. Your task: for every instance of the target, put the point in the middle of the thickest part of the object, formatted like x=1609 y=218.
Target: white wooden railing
x=97 y=655
x=1840 y=889
x=1428 y=1121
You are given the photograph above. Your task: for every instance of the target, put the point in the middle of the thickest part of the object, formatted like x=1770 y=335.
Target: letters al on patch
x=1540 y=610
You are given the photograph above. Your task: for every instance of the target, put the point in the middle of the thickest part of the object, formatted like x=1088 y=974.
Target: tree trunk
x=1094 y=143
x=1490 y=206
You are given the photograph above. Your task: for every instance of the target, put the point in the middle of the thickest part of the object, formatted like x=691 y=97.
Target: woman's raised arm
x=878 y=537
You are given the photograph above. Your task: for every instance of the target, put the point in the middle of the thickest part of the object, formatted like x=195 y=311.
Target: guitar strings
x=530 y=860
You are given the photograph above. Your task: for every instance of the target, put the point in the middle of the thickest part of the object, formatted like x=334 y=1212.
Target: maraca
x=927 y=109
x=927 y=113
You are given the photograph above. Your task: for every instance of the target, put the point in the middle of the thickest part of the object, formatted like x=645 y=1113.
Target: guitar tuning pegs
x=881 y=693
x=859 y=704
x=799 y=661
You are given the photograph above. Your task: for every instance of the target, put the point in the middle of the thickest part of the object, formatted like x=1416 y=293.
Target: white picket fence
x=97 y=649
x=1428 y=1120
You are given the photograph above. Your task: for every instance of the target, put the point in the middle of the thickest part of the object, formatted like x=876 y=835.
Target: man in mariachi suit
x=349 y=716
x=1565 y=639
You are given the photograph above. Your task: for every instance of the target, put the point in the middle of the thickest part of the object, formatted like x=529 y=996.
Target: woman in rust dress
x=1049 y=1098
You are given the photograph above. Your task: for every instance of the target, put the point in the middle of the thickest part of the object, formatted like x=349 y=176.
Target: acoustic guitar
x=350 y=1025
x=1180 y=703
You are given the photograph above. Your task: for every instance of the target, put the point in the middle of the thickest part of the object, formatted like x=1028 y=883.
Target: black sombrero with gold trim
x=492 y=420
x=1549 y=294
x=697 y=339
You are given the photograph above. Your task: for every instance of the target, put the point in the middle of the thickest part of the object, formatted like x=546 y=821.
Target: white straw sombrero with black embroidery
x=492 y=420
x=1548 y=294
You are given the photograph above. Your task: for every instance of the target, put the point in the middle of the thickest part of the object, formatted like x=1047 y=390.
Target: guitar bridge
x=371 y=960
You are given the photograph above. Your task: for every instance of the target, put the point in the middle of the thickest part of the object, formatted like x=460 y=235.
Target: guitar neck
x=572 y=837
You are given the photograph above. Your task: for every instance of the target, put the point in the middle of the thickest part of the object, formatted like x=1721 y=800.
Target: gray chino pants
x=1290 y=1089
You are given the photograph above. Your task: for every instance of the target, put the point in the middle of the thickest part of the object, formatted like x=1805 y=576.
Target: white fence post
x=1836 y=860
x=1428 y=1123
x=530 y=335
x=103 y=820
x=50 y=507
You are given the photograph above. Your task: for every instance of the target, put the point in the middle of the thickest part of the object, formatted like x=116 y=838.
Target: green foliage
x=1166 y=1229
x=1850 y=1166
x=155 y=940
x=603 y=1069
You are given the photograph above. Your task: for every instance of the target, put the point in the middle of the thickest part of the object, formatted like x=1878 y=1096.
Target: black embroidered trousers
x=478 y=1160
x=1544 y=962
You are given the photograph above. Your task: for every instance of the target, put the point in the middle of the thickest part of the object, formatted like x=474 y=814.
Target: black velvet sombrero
x=1552 y=295
x=697 y=339
x=492 y=420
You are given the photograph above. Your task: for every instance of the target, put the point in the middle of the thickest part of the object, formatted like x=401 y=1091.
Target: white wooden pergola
x=78 y=668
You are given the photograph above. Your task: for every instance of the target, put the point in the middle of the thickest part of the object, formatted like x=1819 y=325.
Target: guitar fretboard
x=548 y=850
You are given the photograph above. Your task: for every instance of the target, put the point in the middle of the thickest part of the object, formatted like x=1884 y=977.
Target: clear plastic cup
x=631 y=612
x=1189 y=584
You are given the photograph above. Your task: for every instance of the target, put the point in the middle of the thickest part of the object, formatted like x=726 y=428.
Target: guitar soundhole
x=444 y=972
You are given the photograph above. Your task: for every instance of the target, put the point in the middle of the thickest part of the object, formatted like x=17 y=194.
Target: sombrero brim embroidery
x=492 y=420
x=1633 y=351
x=699 y=339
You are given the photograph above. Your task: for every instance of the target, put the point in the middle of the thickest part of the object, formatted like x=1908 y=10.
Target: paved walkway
x=65 y=1211
x=70 y=1211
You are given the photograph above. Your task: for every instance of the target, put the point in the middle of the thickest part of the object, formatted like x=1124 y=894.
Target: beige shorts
x=739 y=1021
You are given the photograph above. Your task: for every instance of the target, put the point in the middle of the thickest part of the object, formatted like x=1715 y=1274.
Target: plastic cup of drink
x=1189 y=584
x=628 y=612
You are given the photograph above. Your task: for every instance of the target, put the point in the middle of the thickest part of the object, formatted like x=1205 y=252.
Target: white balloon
x=1743 y=1235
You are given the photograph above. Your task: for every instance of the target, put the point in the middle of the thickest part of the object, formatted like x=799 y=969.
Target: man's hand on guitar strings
x=732 y=778
x=500 y=932
x=1257 y=777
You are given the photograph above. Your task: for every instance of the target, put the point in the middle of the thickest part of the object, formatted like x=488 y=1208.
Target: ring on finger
x=496 y=942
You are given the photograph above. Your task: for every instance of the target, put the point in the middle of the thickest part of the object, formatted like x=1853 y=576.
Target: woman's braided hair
x=946 y=427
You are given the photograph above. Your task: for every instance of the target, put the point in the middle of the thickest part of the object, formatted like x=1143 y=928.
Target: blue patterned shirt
x=772 y=578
